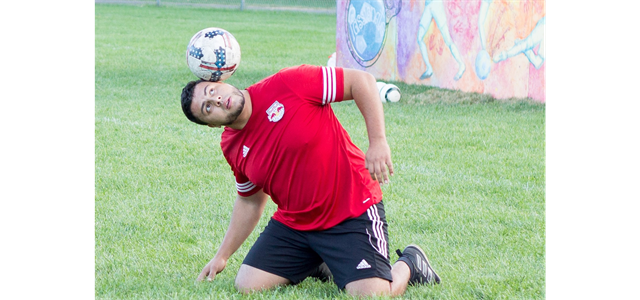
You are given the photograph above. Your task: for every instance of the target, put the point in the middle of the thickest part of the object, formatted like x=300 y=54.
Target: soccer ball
x=388 y=92
x=213 y=54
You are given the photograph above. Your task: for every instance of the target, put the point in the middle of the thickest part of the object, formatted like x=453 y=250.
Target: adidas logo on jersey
x=245 y=150
x=363 y=265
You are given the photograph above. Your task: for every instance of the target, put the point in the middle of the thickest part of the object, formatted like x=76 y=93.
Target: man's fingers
x=378 y=171
x=380 y=174
x=371 y=169
x=390 y=166
x=385 y=175
x=203 y=274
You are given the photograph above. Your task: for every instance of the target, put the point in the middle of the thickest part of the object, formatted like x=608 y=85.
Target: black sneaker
x=421 y=271
x=322 y=273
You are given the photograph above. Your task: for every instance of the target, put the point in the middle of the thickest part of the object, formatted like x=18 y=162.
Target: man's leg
x=250 y=279
x=279 y=256
x=378 y=286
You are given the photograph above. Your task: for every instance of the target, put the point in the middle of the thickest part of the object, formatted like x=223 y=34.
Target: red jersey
x=294 y=148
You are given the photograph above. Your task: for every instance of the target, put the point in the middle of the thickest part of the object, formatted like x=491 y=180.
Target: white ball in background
x=379 y=85
x=388 y=92
x=332 y=60
x=393 y=93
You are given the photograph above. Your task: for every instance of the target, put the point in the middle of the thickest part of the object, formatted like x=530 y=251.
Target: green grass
x=469 y=184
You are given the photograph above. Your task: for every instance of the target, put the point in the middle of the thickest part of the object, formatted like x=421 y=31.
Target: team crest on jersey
x=275 y=111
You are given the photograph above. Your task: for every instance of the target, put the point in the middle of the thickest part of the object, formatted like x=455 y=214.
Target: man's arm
x=245 y=217
x=361 y=87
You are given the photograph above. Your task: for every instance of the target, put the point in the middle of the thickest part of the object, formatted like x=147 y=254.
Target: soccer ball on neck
x=213 y=54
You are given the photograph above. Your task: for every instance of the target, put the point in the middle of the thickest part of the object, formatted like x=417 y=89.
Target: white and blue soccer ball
x=388 y=92
x=213 y=54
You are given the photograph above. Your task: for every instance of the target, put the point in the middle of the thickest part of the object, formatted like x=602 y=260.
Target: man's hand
x=377 y=160
x=244 y=218
x=215 y=266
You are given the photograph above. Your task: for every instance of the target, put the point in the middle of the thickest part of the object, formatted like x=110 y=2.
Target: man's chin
x=234 y=116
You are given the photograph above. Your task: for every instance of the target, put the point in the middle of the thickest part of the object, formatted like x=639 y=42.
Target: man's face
x=216 y=103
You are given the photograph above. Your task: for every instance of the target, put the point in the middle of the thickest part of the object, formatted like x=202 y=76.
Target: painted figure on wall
x=483 y=60
x=525 y=46
x=434 y=10
x=484 y=37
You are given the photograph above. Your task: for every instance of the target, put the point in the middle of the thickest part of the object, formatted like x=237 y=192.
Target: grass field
x=469 y=184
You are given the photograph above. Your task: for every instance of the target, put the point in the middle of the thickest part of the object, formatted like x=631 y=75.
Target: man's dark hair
x=186 y=98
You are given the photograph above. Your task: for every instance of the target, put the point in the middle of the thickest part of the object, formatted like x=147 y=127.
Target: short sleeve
x=321 y=85
x=244 y=186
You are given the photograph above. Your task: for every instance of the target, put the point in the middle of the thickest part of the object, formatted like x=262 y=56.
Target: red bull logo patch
x=275 y=111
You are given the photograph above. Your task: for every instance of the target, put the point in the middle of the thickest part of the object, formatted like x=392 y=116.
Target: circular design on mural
x=366 y=29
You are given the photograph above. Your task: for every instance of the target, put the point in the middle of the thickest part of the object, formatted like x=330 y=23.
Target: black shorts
x=354 y=249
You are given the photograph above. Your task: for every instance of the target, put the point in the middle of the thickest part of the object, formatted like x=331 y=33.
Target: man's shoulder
x=304 y=68
x=283 y=75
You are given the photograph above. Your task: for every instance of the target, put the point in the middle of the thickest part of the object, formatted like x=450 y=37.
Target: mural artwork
x=484 y=46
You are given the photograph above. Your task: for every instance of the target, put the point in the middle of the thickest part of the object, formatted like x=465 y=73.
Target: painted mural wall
x=483 y=46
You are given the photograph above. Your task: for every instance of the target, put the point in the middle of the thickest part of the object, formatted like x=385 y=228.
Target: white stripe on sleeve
x=245 y=187
x=328 y=85
x=333 y=84
x=324 y=86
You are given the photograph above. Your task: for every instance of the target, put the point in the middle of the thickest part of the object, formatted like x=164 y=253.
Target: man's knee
x=250 y=279
x=369 y=287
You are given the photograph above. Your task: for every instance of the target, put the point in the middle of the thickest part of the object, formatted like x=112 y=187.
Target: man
x=282 y=140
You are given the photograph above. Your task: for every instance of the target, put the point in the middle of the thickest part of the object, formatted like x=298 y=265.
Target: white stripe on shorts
x=378 y=230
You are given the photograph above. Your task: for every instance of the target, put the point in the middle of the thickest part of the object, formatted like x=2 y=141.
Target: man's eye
x=211 y=91
x=208 y=108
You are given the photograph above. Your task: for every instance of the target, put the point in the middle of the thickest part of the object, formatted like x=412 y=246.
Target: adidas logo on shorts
x=363 y=265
